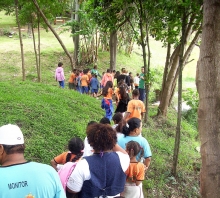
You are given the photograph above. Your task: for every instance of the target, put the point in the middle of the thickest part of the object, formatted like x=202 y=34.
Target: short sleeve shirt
x=141 y=82
x=135 y=108
x=84 y=80
x=72 y=78
x=61 y=159
x=135 y=172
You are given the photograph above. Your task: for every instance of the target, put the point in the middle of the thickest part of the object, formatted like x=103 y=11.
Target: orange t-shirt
x=61 y=159
x=135 y=108
x=110 y=93
x=84 y=80
x=135 y=172
x=72 y=78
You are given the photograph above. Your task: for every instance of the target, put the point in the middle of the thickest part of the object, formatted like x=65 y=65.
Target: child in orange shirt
x=74 y=154
x=135 y=172
x=85 y=82
x=72 y=80
x=106 y=103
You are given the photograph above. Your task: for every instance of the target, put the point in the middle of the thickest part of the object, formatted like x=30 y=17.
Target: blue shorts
x=94 y=91
x=85 y=89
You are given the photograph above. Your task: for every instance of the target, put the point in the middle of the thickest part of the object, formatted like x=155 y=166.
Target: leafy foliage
x=191 y=97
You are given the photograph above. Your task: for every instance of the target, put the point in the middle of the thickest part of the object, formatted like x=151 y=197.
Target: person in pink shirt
x=59 y=75
x=106 y=77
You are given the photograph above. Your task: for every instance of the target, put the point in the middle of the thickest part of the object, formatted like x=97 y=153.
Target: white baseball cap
x=11 y=135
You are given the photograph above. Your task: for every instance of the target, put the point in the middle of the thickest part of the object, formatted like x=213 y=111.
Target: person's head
x=117 y=74
x=142 y=69
x=74 y=71
x=108 y=85
x=95 y=67
x=137 y=74
x=60 y=64
x=11 y=141
x=75 y=146
x=105 y=120
x=130 y=74
x=135 y=93
x=123 y=70
x=101 y=137
x=117 y=117
x=91 y=122
x=85 y=71
x=95 y=76
x=133 y=148
x=134 y=126
x=108 y=70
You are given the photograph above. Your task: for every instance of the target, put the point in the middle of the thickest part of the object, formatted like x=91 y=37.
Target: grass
x=50 y=116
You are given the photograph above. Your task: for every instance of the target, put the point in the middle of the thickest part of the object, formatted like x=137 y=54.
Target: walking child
x=59 y=75
x=135 y=172
x=106 y=103
x=75 y=147
x=94 y=85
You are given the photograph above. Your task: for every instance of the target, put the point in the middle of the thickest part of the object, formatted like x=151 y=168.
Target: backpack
x=65 y=172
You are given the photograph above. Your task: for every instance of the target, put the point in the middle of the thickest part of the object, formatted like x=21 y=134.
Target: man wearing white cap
x=19 y=178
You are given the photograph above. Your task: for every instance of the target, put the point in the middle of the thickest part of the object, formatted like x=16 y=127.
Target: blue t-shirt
x=94 y=83
x=122 y=141
x=30 y=179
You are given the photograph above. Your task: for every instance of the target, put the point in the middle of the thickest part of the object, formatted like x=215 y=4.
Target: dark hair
x=12 y=149
x=122 y=92
x=133 y=148
x=117 y=74
x=75 y=146
x=85 y=71
x=135 y=92
x=132 y=124
x=108 y=70
x=95 y=67
x=101 y=137
x=91 y=122
x=60 y=64
x=108 y=85
x=137 y=74
x=104 y=120
x=118 y=118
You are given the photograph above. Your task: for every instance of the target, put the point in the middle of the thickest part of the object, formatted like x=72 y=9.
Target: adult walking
x=22 y=178
x=141 y=86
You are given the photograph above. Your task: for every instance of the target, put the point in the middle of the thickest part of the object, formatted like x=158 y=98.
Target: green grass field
x=50 y=116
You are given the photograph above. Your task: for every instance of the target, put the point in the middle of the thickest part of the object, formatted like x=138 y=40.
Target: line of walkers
x=111 y=162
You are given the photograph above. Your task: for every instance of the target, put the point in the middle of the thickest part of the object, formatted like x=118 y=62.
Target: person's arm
x=147 y=163
x=118 y=148
x=127 y=114
x=53 y=164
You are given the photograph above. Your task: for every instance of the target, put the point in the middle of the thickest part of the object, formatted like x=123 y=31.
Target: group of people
x=86 y=81
x=110 y=162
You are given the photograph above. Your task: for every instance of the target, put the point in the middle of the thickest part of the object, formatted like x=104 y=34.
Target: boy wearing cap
x=20 y=178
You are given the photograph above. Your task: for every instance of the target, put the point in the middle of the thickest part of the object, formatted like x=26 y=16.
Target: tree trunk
x=113 y=49
x=35 y=51
x=208 y=85
x=21 y=42
x=178 y=127
x=166 y=68
x=54 y=32
x=166 y=93
x=39 y=60
x=76 y=37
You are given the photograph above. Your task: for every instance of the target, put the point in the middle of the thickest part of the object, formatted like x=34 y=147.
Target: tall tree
x=170 y=34
x=54 y=32
x=208 y=85
x=20 y=37
x=178 y=127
